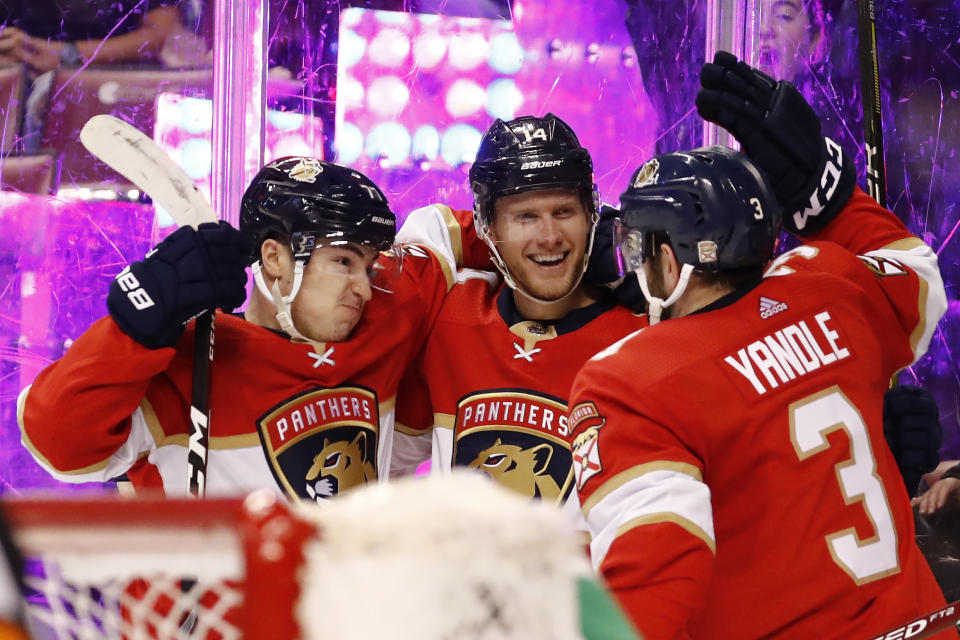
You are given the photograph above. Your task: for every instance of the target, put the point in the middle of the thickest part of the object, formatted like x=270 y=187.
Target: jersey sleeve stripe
x=448 y=273
x=623 y=477
x=932 y=298
x=454 y=231
x=657 y=496
x=152 y=422
x=161 y=439
x=658 y=518
x=444 y=420
x=434 y=226
x=239 y=441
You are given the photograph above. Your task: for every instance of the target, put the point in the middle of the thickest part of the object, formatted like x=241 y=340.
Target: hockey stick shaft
x=870 y=83
x=135 y=156
x=925 y=626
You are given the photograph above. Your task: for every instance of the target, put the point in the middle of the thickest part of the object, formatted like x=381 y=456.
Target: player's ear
x=273 y=258
x=669 y=266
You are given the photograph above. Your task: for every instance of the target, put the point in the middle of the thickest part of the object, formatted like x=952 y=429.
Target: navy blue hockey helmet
x=314 y=202
x=530 y=153
x=713 y=204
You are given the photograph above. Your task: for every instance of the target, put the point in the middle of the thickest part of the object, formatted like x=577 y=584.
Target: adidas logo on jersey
x=770 y=308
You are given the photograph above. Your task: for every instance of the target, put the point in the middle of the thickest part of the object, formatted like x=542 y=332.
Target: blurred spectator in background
x=793 y=38
x=944 y=488
x=937 y=518
x=46 y=34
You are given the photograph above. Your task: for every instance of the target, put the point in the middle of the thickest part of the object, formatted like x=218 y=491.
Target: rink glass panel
x=622 y=73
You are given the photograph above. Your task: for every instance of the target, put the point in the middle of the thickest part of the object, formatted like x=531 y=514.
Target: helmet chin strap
x=655 y=305
x=281 y=302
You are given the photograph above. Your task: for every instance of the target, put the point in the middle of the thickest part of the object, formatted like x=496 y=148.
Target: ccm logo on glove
x=829 y=181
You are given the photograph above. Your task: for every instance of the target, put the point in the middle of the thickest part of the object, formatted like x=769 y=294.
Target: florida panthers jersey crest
x=498 y=386
x=322 y=442
x=517 y=438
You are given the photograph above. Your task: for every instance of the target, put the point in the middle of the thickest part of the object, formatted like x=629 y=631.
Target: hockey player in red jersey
x=730 y=459
x=501 y=357
x=302 y=388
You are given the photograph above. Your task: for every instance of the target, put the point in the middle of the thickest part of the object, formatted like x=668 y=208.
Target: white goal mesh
x=155 y=568
x=445 y=557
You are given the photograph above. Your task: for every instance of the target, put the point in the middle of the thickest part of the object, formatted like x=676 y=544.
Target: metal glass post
x=730 y=27
x=239 y=101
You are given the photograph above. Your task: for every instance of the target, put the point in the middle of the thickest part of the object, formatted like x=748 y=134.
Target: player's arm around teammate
x=313 y=232
x=678 y=428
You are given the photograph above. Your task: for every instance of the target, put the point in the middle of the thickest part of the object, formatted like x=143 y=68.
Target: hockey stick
x=925 y=626
x=870 y=83
x=132 y=154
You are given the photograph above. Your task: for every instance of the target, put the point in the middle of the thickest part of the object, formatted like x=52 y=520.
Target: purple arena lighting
x=403 y=97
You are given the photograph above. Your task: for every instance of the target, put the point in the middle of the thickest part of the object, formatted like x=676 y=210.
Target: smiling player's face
x=542 y=236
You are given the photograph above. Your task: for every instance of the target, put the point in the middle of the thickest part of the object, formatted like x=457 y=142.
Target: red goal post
x=161 y=568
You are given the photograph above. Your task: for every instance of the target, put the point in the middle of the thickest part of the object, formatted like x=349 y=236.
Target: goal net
x=443 y=557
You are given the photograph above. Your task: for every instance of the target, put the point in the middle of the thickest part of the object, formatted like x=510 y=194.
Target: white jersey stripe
x=658 y=496
x=435 y=227
x=933 y=298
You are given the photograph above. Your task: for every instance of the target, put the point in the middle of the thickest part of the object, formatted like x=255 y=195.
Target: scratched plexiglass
x=402 y=90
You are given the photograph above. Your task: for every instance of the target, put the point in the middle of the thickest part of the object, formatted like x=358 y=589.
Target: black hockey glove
x=812 y=177
x=911 y=426
x=602 y=268
x=189 y=272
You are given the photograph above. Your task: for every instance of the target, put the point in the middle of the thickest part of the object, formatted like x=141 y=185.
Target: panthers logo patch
x=322 y=442
x=306 y=170
x=518 y=440
x=647 y=174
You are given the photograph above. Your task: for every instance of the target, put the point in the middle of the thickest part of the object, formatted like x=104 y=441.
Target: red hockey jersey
x=498 y=385
x=309 y=422
x=731 y=463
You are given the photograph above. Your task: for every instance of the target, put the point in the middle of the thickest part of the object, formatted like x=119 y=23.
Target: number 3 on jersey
x=811 y=420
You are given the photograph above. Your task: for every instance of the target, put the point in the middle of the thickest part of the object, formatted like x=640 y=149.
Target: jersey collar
x=567 y=324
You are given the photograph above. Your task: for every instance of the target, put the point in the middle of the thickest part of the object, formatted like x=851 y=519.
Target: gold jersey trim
x=680 y=521
x=448 y=274
x=506 y=427
x=410 y=431
x=454 y=230
x=624 y=477
x=906 y=244
x=387 y=405
x=161 y=439
x=533 y=332
x=444 y=420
